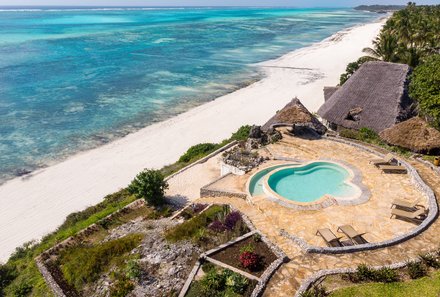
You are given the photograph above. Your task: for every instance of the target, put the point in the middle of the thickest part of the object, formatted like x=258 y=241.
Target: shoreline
x=36 y=204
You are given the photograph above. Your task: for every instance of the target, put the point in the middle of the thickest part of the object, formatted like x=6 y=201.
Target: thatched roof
x=378 y=90
x=414 y=134
x=294 y=113
x=329 y=91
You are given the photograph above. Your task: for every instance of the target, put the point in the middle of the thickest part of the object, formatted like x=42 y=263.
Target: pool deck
x=372 y=217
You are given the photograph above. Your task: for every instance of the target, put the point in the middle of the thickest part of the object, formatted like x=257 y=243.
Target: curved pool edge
x=354 y=179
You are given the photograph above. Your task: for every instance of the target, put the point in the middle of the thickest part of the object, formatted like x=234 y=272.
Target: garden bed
x=254 y=244
x=213 y=280
x=211 y=227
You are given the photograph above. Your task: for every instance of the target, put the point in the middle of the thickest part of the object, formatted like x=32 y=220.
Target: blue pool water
x=256 y=183
x=310 y=182
x=75 y=79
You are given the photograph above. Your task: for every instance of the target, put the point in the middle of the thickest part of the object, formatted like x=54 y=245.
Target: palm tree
x=385 y=48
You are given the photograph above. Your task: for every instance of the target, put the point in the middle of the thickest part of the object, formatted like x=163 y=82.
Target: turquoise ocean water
x=73 y=79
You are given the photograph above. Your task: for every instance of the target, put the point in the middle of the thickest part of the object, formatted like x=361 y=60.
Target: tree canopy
x=409 y=36
x=149 y=185
x=425 y=88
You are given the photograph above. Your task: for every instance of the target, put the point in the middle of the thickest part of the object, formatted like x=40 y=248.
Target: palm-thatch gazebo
x=295 y=115
x=414 y=134
x=374 y=97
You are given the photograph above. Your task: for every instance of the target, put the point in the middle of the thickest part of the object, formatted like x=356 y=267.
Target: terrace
x=371 y=216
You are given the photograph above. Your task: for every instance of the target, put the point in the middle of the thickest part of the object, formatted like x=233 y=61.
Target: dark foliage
x=417 y=269
x=425 y=89
x=149 y=185
x=232 y=219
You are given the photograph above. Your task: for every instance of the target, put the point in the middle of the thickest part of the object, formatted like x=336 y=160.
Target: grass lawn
x=427 y=286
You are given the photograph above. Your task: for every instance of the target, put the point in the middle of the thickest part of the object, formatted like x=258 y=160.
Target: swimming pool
x=256 y=181
x=309 y=183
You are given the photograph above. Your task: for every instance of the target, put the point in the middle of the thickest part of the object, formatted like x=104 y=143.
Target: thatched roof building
x=414 y=134
x=374 y=97
x=295 y=114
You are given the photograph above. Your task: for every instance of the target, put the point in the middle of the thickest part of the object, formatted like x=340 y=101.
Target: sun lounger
x=329 y=237
x=393 y=169
x=419 y=214
x=387 y=160
x=350 y=232
x=402 y=203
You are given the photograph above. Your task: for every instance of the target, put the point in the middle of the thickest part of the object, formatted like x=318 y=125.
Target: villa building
x=374 y=97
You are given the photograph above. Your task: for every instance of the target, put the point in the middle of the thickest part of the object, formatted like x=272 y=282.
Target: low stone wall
x=72 y=241
x=307 y=284
x=206 y=191
x=48 y=278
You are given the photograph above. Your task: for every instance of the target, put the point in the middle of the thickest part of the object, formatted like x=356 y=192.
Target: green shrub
x=416 y=269
x=425 y=88
x=368 y=135
x=213 y=281
x=363 y=134
x=431 y=260
x=364 y=273
x=84 y=264
x=236 y=282
x=7 y=275
x=133 y=270
x=385 y=275
x=348 y=133
x=242 y=133
x=121 y=288
x=23 y=289
x=198 y=151
x=149 y=185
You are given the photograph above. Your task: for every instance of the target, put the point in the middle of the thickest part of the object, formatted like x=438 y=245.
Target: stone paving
x=372 y=216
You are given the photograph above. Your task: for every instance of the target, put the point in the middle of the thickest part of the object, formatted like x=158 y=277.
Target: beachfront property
x=340 y=202
x=322 y=204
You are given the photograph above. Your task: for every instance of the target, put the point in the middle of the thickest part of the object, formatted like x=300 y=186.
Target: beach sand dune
x=34 y=205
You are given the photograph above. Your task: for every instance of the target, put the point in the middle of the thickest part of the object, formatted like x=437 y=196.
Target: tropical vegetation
x=425 y=89
x=409 y=36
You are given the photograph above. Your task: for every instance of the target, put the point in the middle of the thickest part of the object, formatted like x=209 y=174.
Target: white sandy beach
x=35 y=205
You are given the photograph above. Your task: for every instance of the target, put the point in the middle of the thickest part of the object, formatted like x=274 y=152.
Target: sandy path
x=33 y=206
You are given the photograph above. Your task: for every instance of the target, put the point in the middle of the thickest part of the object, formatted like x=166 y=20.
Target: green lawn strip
x=427 y=286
